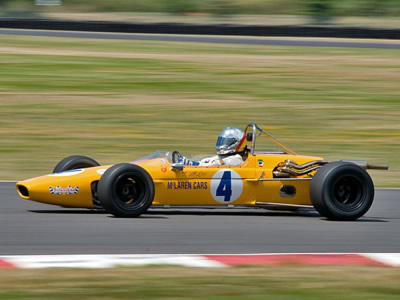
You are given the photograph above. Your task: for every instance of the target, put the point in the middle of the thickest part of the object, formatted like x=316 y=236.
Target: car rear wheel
x=126 y=190
x=341 y=191
x=75 y=162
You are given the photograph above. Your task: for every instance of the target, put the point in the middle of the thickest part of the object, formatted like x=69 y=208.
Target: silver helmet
x=230 y=140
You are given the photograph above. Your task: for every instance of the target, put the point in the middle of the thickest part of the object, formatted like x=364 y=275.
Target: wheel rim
x=129 y=191
x=348 y=193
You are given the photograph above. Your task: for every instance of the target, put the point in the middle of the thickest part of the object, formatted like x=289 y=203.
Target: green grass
x=118 y=100
x=272 y=282
x=222 y=7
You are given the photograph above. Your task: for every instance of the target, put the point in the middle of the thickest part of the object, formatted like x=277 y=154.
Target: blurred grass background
x=118 y=100
x=366 y=13
x=168 y=282
x=310 y=7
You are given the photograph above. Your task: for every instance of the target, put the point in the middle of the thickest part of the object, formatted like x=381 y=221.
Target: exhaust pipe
x=292 y=164
x=291 y=168
x=283 y=171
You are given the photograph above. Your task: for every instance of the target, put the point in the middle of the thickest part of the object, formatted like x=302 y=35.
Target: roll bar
x=254 y=126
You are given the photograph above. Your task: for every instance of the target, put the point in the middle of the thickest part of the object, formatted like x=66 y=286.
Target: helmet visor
x=225 y=141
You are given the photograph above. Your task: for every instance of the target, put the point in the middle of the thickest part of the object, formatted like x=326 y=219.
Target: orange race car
x=340 y=190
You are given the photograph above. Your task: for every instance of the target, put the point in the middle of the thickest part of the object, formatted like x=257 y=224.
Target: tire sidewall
x=322 y=191
x=108 y=193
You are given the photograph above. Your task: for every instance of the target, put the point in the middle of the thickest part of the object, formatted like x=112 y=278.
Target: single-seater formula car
x=340 y=190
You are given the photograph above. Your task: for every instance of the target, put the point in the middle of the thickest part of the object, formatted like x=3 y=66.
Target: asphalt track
x=310 y=42
x=28 y=227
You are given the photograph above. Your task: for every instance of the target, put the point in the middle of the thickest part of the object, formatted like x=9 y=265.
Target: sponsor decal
x=195 y=173
x=67 y=173
x=101 y=171
x=226 y=186
x=58 y=190
x=260 y=163
x=187 y=185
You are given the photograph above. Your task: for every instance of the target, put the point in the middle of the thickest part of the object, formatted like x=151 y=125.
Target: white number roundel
x=226 y=186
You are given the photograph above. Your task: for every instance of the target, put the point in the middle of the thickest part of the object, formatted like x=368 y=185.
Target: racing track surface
x=27 y=227
x=311 y=42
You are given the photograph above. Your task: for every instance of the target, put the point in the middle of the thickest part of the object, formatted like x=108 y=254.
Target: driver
x=231 y=150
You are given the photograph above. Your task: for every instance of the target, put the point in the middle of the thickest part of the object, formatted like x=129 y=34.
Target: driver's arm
x=187 y=162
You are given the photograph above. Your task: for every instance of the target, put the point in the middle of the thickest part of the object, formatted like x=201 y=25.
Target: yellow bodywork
x=249 y=183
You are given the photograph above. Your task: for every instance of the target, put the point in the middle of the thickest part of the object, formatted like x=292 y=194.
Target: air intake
x=23 y=190
x=287 y=191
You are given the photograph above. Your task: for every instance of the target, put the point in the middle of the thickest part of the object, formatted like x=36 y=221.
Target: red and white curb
x=211 y=261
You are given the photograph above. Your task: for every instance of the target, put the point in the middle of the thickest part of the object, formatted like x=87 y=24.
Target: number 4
x=225 y=186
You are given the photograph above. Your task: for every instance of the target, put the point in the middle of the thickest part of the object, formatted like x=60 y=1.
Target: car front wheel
x=75 y=162
x=126 y=190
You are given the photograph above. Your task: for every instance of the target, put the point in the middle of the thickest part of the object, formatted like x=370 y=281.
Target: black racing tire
x=75 y=162
x=126 y=190
x=342 y=191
